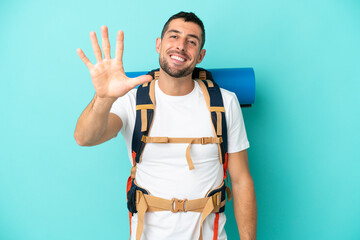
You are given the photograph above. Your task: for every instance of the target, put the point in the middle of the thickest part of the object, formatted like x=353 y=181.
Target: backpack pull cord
x=188 y=157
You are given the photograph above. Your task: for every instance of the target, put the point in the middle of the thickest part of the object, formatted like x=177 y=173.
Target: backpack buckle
x=178 y=205
x=217 y=199
x=205 y=140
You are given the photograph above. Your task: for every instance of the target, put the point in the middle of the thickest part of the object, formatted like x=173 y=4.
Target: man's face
x=179 y=49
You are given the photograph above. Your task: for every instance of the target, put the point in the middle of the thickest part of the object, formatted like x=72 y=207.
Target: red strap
x=130 y=216
x=225 y=165
x=133 y=157
x=216 y=226
x=128 y=186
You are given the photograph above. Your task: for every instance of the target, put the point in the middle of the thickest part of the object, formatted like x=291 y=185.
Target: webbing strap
x=188 y=156
x=203 y=140
x=205 y=93
x=152 y=91
x=147 y=203
x=145 y=106
x=133 y=172
x=217 y=109
x=216 y=226
x=202 y=75
x=143 y=120
x=141 y=208
x=156 y=75
x=209 y=207
x=228 y=193
x=219 y=123
x=144 y=117
x=209 y=82
x=155 y=204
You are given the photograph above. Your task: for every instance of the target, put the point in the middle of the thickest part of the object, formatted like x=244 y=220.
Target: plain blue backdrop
x=303 y=128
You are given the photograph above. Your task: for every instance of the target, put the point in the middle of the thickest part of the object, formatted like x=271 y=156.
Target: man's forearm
x=245 y=208
x=93 y=121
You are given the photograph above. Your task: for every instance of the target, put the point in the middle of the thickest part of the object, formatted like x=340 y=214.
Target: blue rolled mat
x=241 y=81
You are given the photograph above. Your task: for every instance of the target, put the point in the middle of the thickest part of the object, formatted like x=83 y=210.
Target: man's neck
x=175 y=86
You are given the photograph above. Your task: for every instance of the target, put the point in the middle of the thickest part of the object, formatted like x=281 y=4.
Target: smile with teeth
x=178 y=58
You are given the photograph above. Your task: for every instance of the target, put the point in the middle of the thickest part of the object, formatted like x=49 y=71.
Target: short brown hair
x=188 y=17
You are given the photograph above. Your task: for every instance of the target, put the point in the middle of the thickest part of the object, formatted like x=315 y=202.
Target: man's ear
x=158 y=45
x=201 y=56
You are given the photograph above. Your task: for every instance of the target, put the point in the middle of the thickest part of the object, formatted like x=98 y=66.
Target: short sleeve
x=237 y=138
x=124 y=107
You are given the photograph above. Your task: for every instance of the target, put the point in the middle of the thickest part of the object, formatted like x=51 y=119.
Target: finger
x=119 y=46
x=140 y=80
x=84 y=58
x=105 y=42
x=96 y=47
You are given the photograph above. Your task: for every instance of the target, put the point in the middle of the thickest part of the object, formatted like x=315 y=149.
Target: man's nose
x=181 y=45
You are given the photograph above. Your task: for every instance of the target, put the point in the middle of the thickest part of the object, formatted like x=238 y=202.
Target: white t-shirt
x=164 y=171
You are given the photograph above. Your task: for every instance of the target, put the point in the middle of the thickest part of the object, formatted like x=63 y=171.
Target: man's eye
x=173 y=36
x=192 y=42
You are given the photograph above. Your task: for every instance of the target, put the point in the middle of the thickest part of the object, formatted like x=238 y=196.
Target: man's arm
x=242 y=186
x=96 y=124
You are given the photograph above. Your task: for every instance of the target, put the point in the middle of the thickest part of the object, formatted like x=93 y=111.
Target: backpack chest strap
x=203 y=141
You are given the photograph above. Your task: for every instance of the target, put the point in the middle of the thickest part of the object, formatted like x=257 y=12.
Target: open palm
x=108 y=75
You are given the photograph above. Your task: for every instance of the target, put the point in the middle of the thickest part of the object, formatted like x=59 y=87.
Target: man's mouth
x=177 y=58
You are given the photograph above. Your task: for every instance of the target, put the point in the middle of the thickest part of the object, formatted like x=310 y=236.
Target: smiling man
x=176 y=189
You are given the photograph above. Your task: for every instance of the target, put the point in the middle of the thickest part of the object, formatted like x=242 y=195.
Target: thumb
x=141 y=79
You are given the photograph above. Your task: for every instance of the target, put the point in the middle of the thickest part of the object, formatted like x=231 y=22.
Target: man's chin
x=177 y=73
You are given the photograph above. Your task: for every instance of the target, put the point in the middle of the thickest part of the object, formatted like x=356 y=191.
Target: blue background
x=303 y=128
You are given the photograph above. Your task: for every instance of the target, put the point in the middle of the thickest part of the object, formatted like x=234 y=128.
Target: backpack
x=139 y=199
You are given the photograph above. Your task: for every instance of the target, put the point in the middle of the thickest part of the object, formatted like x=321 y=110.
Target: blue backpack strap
x=218 y=118
x=145 y=106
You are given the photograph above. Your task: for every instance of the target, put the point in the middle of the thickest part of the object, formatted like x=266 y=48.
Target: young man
x=180 y=112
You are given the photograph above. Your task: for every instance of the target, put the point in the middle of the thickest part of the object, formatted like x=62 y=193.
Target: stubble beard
x=172 y=72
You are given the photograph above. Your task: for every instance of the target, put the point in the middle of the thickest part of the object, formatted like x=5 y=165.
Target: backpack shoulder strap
x=214 y=101
x=145 y=107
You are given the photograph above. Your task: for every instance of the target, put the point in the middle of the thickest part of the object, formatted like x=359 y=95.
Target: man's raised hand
x=108 y=74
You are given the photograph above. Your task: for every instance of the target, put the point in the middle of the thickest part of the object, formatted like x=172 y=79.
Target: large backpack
x=139 y=199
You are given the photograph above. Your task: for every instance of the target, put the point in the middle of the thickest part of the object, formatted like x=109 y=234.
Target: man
x=180 y=112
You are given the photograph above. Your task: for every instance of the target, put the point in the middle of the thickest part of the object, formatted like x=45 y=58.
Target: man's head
x=180 y=45
x=187 y=17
